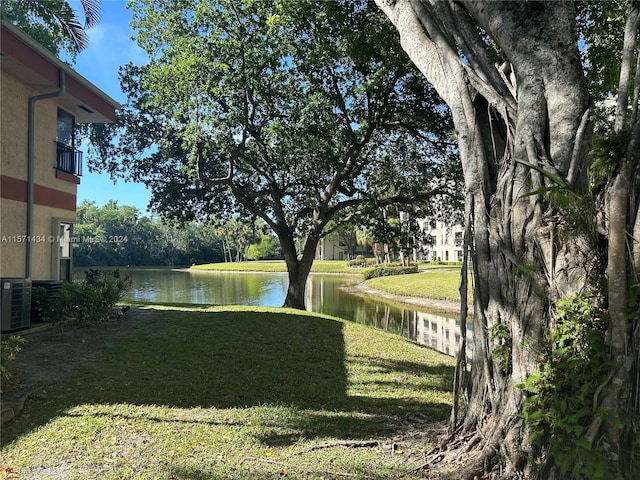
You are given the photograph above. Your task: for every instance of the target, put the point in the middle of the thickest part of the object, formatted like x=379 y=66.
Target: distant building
x=334 y=248
x=444 y=240
x=42 y=100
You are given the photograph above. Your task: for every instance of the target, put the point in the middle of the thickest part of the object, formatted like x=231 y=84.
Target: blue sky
x=110 y=46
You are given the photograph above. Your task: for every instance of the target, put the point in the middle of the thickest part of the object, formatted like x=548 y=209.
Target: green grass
x=274 y=266
x=232 y=393
x=438 y=285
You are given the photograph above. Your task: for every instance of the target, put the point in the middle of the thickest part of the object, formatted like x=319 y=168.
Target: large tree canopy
x=278 y=109
x=553 y=227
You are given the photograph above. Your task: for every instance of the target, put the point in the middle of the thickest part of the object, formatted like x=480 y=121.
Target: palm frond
x=61 y=18
x=559 y=182
x=92 y=12
x=69 y=23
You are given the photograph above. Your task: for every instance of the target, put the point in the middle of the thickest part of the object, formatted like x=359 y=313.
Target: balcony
x=68 y=160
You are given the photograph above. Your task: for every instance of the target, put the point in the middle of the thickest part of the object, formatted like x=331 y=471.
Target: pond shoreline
x=431 y=304
x=198 y=270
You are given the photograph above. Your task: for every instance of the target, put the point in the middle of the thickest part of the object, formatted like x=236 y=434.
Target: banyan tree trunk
x=522 y=127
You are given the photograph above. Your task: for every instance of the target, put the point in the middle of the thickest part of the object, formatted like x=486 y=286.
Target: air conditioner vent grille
x=15 y=304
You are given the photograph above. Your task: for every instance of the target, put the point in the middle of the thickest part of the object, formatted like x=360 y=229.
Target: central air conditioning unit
x=15 y=304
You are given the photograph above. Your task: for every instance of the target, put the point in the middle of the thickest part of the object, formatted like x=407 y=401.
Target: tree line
x=120 y=235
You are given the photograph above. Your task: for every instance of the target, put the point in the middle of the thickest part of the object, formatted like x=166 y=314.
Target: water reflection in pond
x=441 y=332
x=325 y=294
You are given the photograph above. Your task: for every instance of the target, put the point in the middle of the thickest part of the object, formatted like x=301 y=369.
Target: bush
x=389 y=270
x=84 y=302
x=8 y=350
x=361 y=262
x=357 y=262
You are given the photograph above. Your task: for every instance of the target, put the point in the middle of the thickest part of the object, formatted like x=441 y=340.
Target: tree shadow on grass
x=231 y=359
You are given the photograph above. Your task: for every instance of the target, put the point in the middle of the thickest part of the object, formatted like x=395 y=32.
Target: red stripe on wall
x=16 y=189
x=13 y=188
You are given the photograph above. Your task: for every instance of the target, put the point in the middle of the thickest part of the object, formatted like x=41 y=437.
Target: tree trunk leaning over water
x=524 y=128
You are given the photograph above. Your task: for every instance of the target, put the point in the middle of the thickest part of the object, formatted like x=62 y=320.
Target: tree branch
x=342 y=105
x=433 y=60
x=202 y=176
x=483 y=73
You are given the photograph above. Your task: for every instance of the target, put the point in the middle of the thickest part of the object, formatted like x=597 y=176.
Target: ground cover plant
x=9 y=349
x=234 y=392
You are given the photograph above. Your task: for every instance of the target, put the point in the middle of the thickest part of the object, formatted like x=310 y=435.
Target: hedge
x=386 y=271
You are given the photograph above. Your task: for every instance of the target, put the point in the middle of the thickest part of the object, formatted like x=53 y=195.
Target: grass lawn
x=269 y=266
x=229 y=393
x=438 y=285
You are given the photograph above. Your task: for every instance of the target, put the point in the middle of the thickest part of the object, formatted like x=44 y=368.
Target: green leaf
x=560 y=183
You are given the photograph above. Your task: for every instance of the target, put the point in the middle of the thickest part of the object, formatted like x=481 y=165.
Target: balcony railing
x=68 y=159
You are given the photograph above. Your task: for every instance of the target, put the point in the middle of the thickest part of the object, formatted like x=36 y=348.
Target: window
x=68 y=159
x=62 y=253
x=458 y=239
x=64 y=238
x=66 y=124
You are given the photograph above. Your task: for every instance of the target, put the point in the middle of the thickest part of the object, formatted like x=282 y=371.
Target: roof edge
x=31 y=43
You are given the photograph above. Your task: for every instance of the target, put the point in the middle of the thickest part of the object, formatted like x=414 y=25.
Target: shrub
x=39 y=301
x=388 y=270
x=9 y=349
x=88 y=301
x=358 y=262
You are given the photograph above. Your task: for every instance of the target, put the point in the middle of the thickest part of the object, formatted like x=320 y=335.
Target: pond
x=325 y=294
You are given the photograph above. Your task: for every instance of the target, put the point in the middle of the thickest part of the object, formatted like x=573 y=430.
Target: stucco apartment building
x=42 y=100
x=445 y=240
x=444 y=244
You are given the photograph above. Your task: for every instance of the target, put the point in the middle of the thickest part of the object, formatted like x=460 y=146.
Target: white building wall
x=446 y=240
